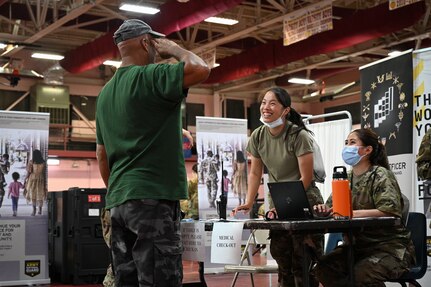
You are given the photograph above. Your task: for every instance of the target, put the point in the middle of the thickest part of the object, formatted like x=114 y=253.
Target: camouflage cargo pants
x=371 y=268
x=146 y=243
x=288 y=251
x=212 y=188
x=105 y=218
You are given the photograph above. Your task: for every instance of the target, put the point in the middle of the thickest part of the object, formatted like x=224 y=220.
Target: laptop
x=290 y=200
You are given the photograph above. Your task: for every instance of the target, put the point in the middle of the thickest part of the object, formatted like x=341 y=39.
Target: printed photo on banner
x=222 y=163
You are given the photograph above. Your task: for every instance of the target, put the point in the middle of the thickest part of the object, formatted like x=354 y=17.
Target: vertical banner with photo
x=386 y=108
x=422 y=123
x=421 y=119
x=23 y=209
x=222 y=163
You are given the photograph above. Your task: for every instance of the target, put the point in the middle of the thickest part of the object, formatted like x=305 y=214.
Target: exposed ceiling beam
x=12 y=22
x=83 y=24
x=17 y=101
x=60 y=22
x=84 y=118
x=238 y=35
x=117 y=15
x=30 y=12
x=277 y=5
x=44 y=11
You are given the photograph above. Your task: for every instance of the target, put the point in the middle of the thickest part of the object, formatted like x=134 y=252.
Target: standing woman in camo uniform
x=380 y=254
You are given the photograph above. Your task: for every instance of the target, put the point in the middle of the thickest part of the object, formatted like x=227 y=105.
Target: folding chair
x=257 y=237
x=334 y=239
x=416 y=224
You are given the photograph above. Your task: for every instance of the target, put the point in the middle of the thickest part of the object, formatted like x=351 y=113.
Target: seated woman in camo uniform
x=379 y=254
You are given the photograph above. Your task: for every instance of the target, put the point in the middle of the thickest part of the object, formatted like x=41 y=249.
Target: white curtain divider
x=330 y=136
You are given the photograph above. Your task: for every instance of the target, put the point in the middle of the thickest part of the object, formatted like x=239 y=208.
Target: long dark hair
x=37 y=157
x=293 y=116
x=240 y=156
x=378 y=155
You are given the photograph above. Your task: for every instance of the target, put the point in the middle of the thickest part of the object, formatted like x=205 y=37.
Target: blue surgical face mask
x=351 y=155
x=274 y=124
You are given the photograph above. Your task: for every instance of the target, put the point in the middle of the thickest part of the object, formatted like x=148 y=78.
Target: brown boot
x=34 y=210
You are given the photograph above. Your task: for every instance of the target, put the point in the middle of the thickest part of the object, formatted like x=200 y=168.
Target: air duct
x=173 y=16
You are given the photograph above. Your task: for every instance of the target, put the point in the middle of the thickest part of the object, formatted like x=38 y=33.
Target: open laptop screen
x=290 y=200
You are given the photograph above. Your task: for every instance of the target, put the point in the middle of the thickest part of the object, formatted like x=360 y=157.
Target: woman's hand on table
x=322 y=210
x=245 y=208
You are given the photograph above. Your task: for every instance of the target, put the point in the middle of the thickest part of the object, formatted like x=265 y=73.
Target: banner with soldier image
x=386 y=108
x=222 y=163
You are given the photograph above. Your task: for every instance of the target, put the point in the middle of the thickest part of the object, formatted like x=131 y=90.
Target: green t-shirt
x=138 y=120
x=278 y=153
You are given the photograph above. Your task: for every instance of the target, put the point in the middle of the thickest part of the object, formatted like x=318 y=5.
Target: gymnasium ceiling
x=251 y=53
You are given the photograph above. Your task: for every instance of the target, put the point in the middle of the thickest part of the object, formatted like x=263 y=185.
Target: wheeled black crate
x=78 y=252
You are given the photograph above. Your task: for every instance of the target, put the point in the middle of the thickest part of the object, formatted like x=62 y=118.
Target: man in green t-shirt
x=139 y=149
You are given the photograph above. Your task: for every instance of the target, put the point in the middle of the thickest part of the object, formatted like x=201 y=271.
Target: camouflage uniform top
x=193 y=208
x=210 y=167
x=423 y=159
x=378 y=189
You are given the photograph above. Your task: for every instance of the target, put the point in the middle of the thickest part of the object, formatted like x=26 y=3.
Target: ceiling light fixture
x=139 y=9
x=116 y=64
x=300 y=81
x=223 y=21
x=46 y=56
x=394 y=53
